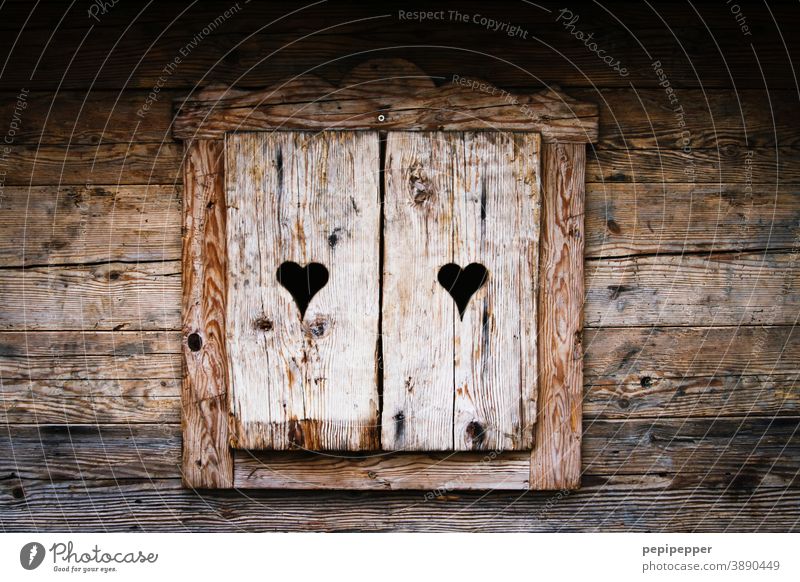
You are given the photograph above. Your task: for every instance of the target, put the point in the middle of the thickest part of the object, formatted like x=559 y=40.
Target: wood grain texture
x=105 y=296
x=741 y=452
x=556 y=456
x=309 y=381
x=133 y=163
x=469 y=383
x=716 y=289
x=369 y=102
x=746 y=288
x=634 y=118
x=45 y=225
x=632 y=219
x=672 y=373
x=206 y=461
x=151 y=164
x=622 y=505
x=442 y=473
x=707 y=53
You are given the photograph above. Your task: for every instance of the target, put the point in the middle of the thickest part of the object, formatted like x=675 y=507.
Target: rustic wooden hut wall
x=691 y=360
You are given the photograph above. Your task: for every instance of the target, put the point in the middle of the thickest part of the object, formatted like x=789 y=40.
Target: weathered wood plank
x=99 y=410
x=629 y=219
x=163 y=505
x=631 y=355
x=715 y=290
x=303 y=198
x=628 y=118
x=691 y=396
x=236 y=53
x=556 y=455
x=44 y=225
x=119 y=164
x=91 y=452
x=718 y=289
x=383 y=104
x=206 y=459
x=644 y=118
x=152 y=164
x=46 y=388
x=442 y=473
x=729 y=163
x=621 y=219
x=91 y=297
x=90 y=117
x=470 y=383
x=743 y=452
x=69 y=344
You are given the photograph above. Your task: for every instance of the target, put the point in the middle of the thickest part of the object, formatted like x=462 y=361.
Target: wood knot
x=613 y=227
x=476 y=433
x=194 y=341
x=646 y=382
x=263 y=324
x=420 y=186
x=317 y=328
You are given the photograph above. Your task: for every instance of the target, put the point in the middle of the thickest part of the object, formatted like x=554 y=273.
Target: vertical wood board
x=453 y=382
x=556 y=458
x=306 y=382
x=207 y=459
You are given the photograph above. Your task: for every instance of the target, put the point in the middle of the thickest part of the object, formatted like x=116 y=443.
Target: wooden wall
x=691 y=400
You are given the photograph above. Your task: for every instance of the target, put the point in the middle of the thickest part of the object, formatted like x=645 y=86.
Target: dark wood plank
x=629 y=118
x=556 y=454
x=308 y=103
x=693 y=56
x=90 y=117
x=206 y=461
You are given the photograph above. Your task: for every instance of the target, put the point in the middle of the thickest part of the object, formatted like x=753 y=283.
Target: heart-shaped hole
x=462 y=283
x=302 y=282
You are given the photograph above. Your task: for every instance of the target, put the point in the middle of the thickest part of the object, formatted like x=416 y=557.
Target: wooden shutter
x=453 y=381
x=298 y=380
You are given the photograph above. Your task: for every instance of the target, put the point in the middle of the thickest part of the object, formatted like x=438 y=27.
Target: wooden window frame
x=383 y=95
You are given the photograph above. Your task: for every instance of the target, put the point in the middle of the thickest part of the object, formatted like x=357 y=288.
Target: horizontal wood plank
x=90 y=117
x=442 y=472
x=720 y=289
x=152 y=164
x=49 y=225
x=163 y=505
x=631 y=219
x=716 y=290
x=629 y=118
x=118 y=163
x=731 y=163
x=630 y=373
x=742 y=451
x=92 y=297
x=237 y=50
x=141 y=223
x=68 y=409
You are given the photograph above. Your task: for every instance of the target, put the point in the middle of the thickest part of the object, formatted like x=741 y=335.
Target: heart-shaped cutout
x=302 y=282
x=462 y=283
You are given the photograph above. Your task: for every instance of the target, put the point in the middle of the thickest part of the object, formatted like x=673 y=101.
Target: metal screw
x=381 y=117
